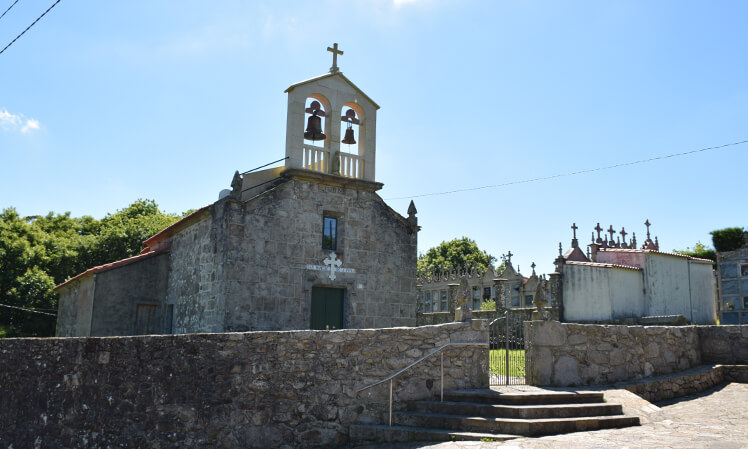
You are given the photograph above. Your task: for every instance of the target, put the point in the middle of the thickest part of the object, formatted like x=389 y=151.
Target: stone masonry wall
x=565 y=354
x=724 y=344
x=255 y=389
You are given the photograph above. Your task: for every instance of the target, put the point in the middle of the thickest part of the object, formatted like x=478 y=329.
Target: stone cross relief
x=333 y=263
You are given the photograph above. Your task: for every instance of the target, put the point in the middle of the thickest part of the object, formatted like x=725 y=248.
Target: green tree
x=38 y=252
x=728 y=239
x=460 y=253
x=699 y=250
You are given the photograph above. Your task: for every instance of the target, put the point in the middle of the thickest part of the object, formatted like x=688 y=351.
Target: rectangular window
x=444 y=301
x=476 y=304
x=427 y=307
x=744 y=270
x=330 y=233
x=515 y=301
x=486 y=292
x=476 y=293
x=528 y=300
x=745 y=302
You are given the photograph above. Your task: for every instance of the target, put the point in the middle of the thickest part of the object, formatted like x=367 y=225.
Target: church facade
x=310 y=245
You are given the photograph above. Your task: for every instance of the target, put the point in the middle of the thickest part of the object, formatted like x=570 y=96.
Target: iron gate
x=507 y=360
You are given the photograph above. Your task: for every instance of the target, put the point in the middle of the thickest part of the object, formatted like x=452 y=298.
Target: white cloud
x=31 y=124
x=13 y=122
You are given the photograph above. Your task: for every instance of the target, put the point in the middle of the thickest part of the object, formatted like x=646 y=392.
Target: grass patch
x=497 y=362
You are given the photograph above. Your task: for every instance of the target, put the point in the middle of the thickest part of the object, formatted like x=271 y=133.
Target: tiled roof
x=651 y=251
x=604 y=265
x=109 y=266
x=155 y=238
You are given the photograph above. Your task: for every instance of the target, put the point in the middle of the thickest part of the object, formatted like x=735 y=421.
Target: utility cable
x=27 y=310
x=6 y=11
x=28 y=27
x=560 y=175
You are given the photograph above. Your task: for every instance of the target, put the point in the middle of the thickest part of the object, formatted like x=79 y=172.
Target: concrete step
x=513 y=426
x=361 y=433
x=528 y=398
x=516 y=411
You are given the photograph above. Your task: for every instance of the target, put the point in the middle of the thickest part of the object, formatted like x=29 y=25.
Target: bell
x=314 y=128
x=349 y=137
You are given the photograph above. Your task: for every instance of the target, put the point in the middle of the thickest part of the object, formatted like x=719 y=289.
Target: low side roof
x=110 y=266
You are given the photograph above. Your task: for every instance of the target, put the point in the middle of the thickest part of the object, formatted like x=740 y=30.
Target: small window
x=476 y=293
x=427 y=305
x=515 y=301
x=330 y=233
x=444 y=301
x=528 y=300
x=486 y=292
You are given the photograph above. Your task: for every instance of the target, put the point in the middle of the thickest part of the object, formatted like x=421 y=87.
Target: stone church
x=310 y=245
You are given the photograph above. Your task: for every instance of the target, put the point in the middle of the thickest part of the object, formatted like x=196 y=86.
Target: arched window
x=350 y=131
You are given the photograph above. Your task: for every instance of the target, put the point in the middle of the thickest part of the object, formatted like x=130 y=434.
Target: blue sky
x=102 y=103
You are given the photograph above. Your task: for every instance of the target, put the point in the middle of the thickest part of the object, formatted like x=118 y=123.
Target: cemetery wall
x=566 y=354
x=254 y=389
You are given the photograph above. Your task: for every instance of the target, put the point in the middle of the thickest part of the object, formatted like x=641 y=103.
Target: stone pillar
x=557 y=295
x=500 y=294
x=452 y=296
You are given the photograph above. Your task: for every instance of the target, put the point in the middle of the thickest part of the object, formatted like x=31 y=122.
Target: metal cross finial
x=335 y=53
x=598 y=229
x=574 y=229
x=611 y=232
x=509 y=257
x=647 y=224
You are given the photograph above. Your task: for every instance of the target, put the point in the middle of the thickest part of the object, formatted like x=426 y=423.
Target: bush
x=728 y=239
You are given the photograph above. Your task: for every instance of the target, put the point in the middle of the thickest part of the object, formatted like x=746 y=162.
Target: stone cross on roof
x=574 y=242
x=623 y=234
x=611 y=232
x=599 y=230
x=533 y=267
x=335 y=53
x=647 y=224
x=509 y=257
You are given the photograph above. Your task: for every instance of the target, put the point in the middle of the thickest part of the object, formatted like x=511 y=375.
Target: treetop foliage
x=459 y=254
x=728 y=239
x=699 y=250
x=39 y=252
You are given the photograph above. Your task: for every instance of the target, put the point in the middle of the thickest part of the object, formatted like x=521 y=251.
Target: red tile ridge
x=603 y=265
x=652 y=251
x=109 y=266
x=150 y=241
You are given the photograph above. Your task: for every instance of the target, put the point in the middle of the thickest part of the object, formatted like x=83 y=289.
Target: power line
x=28 y=27
x=560 y=175
x=6 y=11
x=27 y=310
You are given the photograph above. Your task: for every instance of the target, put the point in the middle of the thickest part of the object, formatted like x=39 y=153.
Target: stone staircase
x=490 y=415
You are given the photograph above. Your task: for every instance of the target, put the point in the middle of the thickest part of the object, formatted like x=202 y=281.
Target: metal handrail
x=392 y=377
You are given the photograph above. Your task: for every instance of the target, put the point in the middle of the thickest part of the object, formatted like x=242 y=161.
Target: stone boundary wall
x=724 y=344
x=567 y=354
x=254 y=389
x=688 y=383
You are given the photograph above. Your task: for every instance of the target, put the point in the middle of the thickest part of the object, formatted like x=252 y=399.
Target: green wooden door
x=327 y=308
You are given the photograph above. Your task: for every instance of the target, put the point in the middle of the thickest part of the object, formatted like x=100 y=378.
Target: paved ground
x=715 y=419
